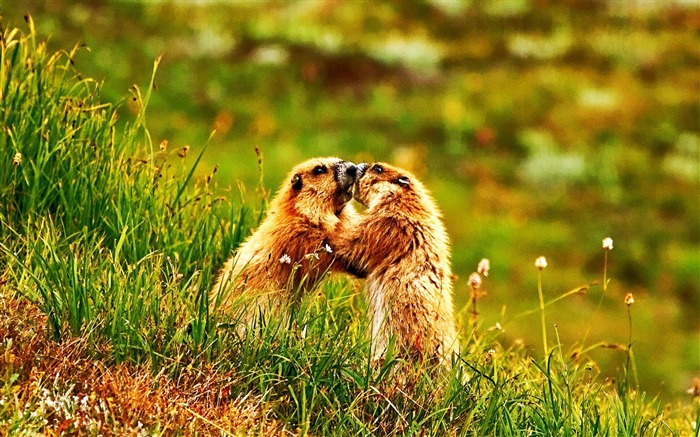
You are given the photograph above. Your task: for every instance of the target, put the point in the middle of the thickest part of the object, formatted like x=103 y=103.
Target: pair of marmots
x=398 y=244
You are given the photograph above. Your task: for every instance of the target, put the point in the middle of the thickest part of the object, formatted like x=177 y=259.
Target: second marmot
x=401 y=245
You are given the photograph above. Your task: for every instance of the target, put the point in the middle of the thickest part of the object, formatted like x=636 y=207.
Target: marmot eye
x=320 y=169
x=377 y=168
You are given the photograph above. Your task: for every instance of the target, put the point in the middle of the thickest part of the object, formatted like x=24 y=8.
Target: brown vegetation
x=82 y=393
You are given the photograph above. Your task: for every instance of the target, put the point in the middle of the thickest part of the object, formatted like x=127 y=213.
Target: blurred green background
x=541 y=128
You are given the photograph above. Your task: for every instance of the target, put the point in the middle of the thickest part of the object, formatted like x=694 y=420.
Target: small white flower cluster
x=65 y=406
x=286 y=259
x=86 y=414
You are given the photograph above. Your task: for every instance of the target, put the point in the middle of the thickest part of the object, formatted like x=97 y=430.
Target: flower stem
x=629 y=345
x=544 y=324
x=605 y=273
x=474 y=312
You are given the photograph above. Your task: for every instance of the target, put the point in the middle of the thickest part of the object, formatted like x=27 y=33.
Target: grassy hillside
x=107 y=248
x=540 y=126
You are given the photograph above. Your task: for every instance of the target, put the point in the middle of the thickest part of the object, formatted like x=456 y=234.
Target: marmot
x=400 y=244
x=290 y=250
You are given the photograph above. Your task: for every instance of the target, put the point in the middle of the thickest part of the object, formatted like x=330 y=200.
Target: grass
x=474 y=135
x=107 y=250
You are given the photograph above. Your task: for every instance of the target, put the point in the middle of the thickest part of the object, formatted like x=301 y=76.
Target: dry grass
x=80 y=393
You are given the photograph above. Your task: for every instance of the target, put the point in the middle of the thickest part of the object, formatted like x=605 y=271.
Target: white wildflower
x=328 y=248
x=285 y=259
x=474 y=281
x=608 y=243
x=484 y=267
x=541 y=262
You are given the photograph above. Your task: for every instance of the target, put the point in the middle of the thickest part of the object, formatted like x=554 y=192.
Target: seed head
x=629 y=299
x=182 y=153
x=17 y=159
x=474 y=281
x=694 y=389
x=607 y=243
x=484 y=267
x=541 y=262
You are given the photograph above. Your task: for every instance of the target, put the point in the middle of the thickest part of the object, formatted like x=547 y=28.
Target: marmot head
x=380 y=182
x=318 y=187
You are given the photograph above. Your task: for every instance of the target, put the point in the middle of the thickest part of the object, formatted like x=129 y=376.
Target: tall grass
x=108 y=234
x=113 y=239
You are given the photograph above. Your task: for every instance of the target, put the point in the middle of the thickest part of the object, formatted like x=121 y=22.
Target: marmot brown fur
x=400 y=244
x=290 y=248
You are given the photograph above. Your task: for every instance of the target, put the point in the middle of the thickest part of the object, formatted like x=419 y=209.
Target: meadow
x=541 y=128
x=109 y=241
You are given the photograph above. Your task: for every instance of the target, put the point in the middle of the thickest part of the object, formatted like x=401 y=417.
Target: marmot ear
x=403 y=181
x=296 y=182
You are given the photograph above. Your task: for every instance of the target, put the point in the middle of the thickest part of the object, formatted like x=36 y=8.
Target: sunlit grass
x=107 y=249
x=108 y=234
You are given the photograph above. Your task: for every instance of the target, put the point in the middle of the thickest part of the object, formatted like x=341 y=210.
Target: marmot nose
x=361 y=168
x=351 y=170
